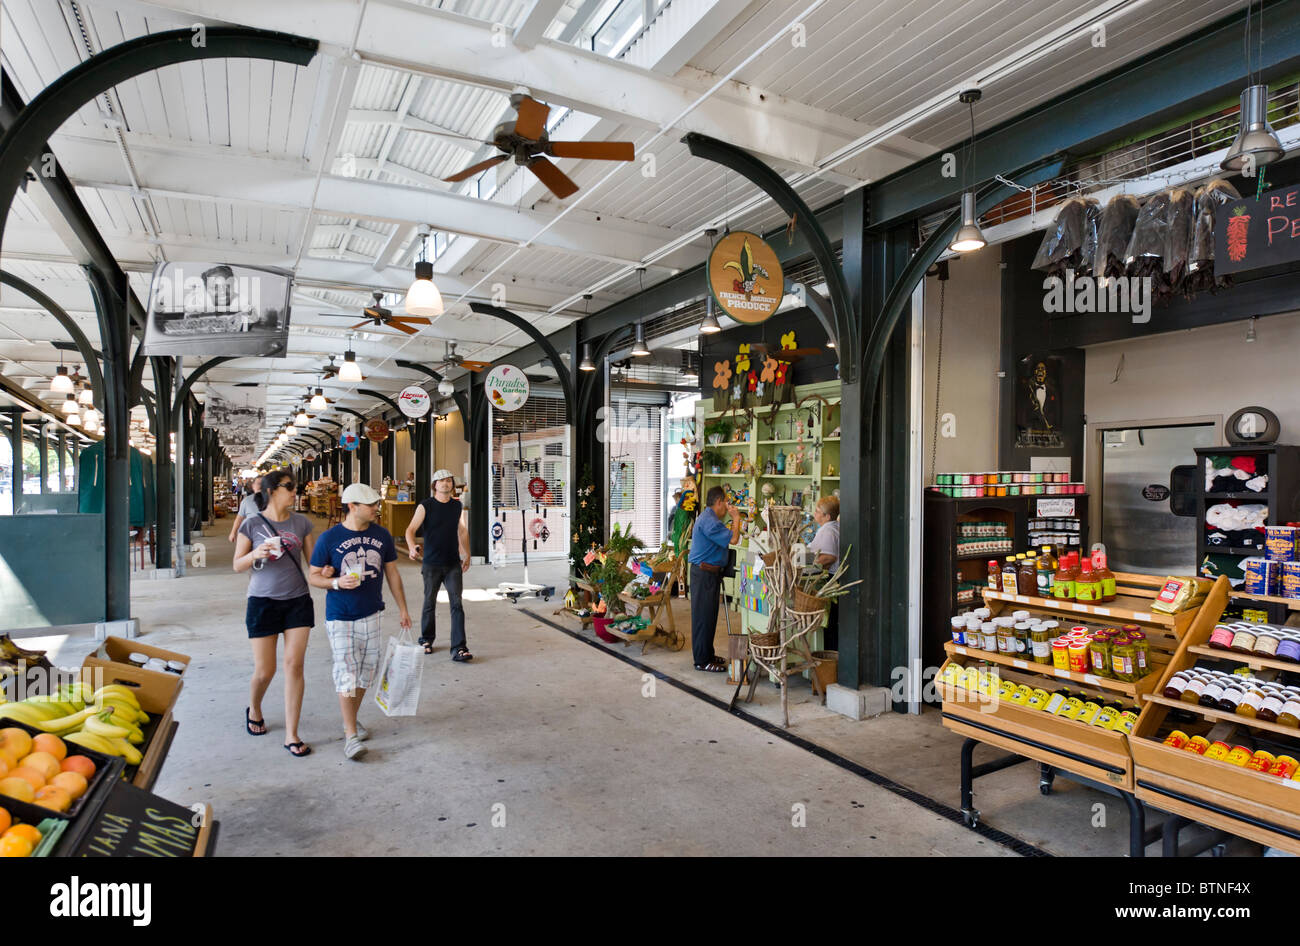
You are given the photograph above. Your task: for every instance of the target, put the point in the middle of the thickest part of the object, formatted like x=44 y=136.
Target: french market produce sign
x=745 y=277
x=1250 y=233
x=414 y=401
x=506 y=387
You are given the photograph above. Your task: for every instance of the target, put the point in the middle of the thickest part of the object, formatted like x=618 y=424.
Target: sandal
x=428 y=647
x=462 y=655
x=297 y=749
x=249 y=723
x=716 y=665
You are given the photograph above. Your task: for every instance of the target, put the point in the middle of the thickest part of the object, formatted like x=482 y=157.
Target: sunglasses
x=289 y=486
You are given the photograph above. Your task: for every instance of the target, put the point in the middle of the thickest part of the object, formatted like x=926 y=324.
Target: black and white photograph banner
x=211 y=309
x=237 y=414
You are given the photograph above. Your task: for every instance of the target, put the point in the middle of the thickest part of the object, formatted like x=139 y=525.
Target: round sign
x=376 y=429
x=348 y=439
x=1155 y=493
x=537 y=487
x=414 y=401
x=745 y=277
x=498 y=530
x=506 y=387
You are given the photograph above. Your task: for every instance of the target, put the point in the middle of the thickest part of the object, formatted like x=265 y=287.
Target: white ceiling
x=329 y=169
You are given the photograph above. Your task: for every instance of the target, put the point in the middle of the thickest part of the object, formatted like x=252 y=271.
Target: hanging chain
x=938 y=381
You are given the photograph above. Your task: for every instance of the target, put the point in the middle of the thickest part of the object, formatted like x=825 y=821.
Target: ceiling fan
x=454 y=360
x=326 y=371
x=379 y=316
x=525 y=139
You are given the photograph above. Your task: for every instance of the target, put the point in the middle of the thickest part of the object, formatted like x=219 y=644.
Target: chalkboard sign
x=1250 y=233
x=134 y=823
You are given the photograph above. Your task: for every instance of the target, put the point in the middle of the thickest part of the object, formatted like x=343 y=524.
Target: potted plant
x=713 y=459
x=717 y=431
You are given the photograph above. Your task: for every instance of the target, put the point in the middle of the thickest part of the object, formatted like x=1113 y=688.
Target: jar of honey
x=1195 y=688
x=1290 y=712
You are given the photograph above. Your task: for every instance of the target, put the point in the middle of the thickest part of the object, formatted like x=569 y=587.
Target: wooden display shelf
x=1249 y=660
x=1132 y=690
x=1293 y=604
x=1124 y=609
x=1218 y=715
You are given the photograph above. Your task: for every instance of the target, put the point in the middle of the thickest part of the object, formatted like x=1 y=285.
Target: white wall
x=404 y=455
x=1202 y=371
x=450 y=451
x=972 y=337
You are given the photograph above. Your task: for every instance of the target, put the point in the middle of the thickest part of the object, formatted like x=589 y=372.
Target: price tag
x=1090 y=678
x=1063 y=674
x=960 y=650
x=1022 y=599
x=1142 y=616
x=1105 y=611
x=1020 y=663
x=1291 y=783
x=1081 y=607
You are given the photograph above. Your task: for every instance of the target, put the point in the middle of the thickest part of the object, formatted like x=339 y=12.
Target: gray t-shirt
x=247 y=507
x=281 y=578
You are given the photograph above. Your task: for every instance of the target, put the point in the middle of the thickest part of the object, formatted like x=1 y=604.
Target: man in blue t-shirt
x=351 y=560
x=709 y=547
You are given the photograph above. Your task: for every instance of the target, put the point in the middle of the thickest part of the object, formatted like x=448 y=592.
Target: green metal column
x=16 y=450
x=42 y=443
x=63 y=447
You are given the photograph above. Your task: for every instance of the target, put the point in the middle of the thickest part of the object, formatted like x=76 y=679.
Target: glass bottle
x=995 y=575
x=1045 y=572
x=1086 y=588
x=1009 y=582
x=1290 y=712
x=1175 y=685
x=1027 y=574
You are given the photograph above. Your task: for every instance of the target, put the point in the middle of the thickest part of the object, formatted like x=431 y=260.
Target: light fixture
x=446 y=388
x=74 y=416
x=830 y=343
x=423 y=298
x=290 y=431
x=318 y=402
x=350 y=370
x=69 y=405
x=91 y=425
x=710 y=324
x=1256 y=143
x=969 y=237
x=586 y=364
x=639 y=349
x=302 y=420
x=87 y=396
x=61 y=383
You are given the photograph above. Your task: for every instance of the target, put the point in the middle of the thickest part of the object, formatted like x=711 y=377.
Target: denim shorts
x=267 y=617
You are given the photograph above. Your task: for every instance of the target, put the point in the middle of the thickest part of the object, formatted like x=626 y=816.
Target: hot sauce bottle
x=1105 y=577
x=1086 y=587
x=1063 y=580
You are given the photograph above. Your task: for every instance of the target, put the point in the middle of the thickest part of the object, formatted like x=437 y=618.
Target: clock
x=1252 y=425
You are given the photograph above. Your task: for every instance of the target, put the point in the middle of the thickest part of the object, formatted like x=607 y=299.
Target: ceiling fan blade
x=475 y=169
x=402 y=328
x=476 y=365
x=555 y=180
x=363 y=324
x=592 y=150
x=531 y=123
x=410 y=318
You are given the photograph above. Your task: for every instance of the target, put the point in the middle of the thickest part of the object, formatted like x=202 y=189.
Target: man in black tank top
x=445 y=558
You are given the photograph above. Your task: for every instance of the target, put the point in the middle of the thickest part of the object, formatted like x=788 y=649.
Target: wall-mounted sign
x=1250 y=234
x=506 y=387
x=1155 y=493
x=348 y=439
x=414 y=401
x=745 y=277
x=376 y=429
x=211 y=309
x=1055 y=508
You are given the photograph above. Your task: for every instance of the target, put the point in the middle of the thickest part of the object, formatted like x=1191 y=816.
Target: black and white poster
x=213 y=309
x=237 y=415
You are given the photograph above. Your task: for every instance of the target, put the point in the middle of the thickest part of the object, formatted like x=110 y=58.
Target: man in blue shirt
x=709 y=547
x=351 y=560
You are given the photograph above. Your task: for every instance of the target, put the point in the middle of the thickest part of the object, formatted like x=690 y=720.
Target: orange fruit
x=74 y=783
x=18 y=788
x=5 y=821
x=28 y=831
x=77 y=763
x=30 y=776
x=14 y=846
x=53 y=797
x=17 y=742
x=48 y=742
x=4 y=765
x=42 y=762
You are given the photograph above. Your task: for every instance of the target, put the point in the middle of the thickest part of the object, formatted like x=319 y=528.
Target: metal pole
x=177 y=381
x=63 y=447
x=42 y=443
x=16 y=448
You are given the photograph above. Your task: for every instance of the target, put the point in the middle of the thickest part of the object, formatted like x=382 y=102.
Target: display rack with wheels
x=1089 y=754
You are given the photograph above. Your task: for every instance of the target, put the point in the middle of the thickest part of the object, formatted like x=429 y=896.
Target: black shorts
x=267 y=617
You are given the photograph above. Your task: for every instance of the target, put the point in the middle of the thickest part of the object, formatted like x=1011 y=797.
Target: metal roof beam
x=535 y=23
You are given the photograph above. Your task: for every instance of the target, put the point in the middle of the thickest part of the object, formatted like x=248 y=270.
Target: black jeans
x=435 y=576
x=705 y=589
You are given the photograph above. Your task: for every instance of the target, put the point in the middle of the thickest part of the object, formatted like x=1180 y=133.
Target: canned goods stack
x=1280 y=766
x=1082 y=707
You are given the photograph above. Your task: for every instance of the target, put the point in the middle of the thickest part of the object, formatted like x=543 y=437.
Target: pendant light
x=446 y=388
x=350 y=370
x=969 y=237
x=74 y=416
x=302 y=420
x=87 y=396
x=290 y=431
x=710 y=324
x=91 y=425
x=586 y=364
x=318 y=402
x=639 y=349
x=1256 y=144
x=69 y=406
x=61 y=383
x=423 y=298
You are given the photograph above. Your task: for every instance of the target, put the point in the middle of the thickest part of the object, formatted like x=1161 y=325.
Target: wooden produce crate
x=156 y=690
x=1087 y=751
x=1249 y=804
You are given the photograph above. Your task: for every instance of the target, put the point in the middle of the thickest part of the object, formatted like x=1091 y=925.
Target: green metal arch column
x=561 y=370
x=69 y=324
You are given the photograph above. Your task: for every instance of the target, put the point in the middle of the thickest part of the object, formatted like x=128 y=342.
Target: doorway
x=1129 y=463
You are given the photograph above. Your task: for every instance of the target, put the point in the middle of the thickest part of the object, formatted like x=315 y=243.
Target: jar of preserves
x=1231 y=699
x=1040 y=639
x=1024 y=645
x=1243 y=642
x=1175 y=685
x=1212 y=693
x=1272 y=705
x=1252 y=698
x=1195 y=689
x=1266 y=643
x=989 y=636
x=1288 y=648
x=1123 y=660
x=1099 y=655
x=1289 y=715
x=1006 y=640
x=1221 y=637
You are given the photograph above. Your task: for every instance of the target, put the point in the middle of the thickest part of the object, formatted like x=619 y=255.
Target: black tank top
x=441 y=532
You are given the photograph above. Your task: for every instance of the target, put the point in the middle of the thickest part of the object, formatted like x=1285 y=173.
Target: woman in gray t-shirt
x=274 y=544
x=247 y=508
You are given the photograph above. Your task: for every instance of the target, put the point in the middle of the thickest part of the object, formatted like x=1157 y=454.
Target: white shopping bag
x=398 y=693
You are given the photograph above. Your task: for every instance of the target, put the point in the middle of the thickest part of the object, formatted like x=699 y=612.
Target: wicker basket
x=769 y=559
x=766 y=646
x=767 y=639
x=806 y=602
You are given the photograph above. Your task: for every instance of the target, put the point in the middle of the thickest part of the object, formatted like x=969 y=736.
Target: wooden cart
x=662 y=628
x=1097 y=757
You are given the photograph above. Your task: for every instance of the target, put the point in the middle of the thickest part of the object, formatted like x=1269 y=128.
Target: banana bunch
x=107 y=720
x=101 y=735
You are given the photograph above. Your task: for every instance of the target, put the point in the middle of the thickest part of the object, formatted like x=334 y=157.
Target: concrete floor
x=546 y=745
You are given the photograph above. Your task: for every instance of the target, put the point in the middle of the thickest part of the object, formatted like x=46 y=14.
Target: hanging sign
x=507 y=388
x=537 y=487
x=1055 y=508
x=414 y=401
x=745 y=277
x=1250 y=234
x=348 y=439
x=376 y=429
x=498 y=530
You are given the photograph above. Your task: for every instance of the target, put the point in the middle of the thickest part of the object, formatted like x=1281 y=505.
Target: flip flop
x=428 y=647
x=249 y=722
x=297 y=749
x=462 y=655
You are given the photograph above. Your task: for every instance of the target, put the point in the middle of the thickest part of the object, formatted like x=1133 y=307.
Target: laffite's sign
x=1251 y=234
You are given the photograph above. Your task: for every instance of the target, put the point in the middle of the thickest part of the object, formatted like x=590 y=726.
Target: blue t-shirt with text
x=345 y=550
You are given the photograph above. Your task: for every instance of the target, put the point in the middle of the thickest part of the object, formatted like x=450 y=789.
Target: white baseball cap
x=443 y=475
x=360 y=493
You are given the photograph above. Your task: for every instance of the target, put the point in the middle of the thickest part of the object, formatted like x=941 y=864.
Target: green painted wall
x=51 y=570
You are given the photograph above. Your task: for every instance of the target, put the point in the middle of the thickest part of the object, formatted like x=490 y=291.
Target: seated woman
x=825 y=549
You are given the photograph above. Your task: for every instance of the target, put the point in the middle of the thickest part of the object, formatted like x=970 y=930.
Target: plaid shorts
x=355 y=645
